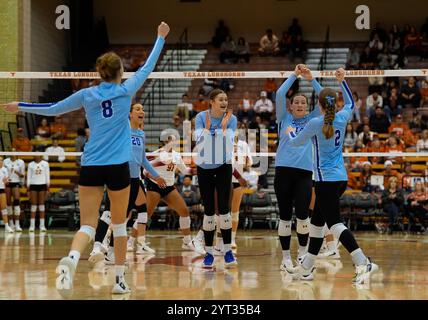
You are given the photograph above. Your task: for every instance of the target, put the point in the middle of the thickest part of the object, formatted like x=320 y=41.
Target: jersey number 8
x=107 y=108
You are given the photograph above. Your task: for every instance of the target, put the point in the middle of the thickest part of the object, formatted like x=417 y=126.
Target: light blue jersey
x=287 y=154
x=328 y=163
x=107 y=111
x=214 y=148
x=138 y=142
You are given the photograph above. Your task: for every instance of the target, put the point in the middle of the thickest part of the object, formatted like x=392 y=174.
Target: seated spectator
x=424 y=93
x=393 y=103
x=285 y=44
x=243 y=50
x=184 y=109
x=55 y=147
x=177 y=124
x=422 y=144
x=399 y=127
x=366 y=136
x=43 y=130
x=353 y=58
x=393 y=144
x=264 y=107
x=21 y=143
x=394 y=40
x=226 y=84
x=365 y=120
x=390 y=173
x=392 y=202
x=270 y=88
x=375 y=146
x=295 y=30
x=228 y=51
x=58 y=130
x=257 y=123
x=384 y=59
x=417 y=203
x=201 y=104
x=416 y=125
x=350 y=137
x=410 y=94
x=269 y=44
x=358 y=146
x=358 y=109
x=298 y=48
x=221 y=33
x=412 y=42
x=209 y=85
x=189 y=192
x=407 y=178
x=379 y=122
x=372 y=102
x=376 y=45
x=367 y=59
x=246 y=107
x=365 y=178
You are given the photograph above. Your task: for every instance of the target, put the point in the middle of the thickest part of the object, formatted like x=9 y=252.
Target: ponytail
x=328 y=103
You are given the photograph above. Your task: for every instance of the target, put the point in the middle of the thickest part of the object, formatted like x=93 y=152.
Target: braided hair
x=327 y=100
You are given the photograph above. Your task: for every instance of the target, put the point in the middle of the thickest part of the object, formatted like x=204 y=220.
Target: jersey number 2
x=107 y=108
x=337 y=138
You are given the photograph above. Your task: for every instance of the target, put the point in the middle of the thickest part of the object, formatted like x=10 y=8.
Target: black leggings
x=211 y=180
x=293 y=186
x=327 y=202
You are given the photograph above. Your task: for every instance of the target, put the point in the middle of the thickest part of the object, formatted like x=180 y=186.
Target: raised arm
x=347 y=94
x=307 y=74
x=133 y=84
x=281 y=99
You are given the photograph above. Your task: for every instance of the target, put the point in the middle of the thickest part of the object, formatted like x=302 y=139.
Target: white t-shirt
x=58 y=150
x=3 y=175
x=241 y=152
x=13 y=167
x=422 y=145
x=263 y=106
x=38 y=173
x=166 y=163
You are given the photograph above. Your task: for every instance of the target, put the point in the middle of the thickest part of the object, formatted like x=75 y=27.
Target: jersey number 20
x=337 y=138
x=107 y=108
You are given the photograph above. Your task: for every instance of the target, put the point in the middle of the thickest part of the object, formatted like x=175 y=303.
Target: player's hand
x=11 y=107
x=297 y=70
x=207 y=121
x=340 y=74
x=163 y=30
x=289 y=129
x=306 y=73
x=225 y=120
x=243 y=182
x=161 y=182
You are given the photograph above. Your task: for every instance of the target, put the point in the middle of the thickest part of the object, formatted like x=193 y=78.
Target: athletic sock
x=302 y=251
x=358 y=257
x=42 y=223
x=33 y=223
x=75 y=256
x=233 y=236
x=308 y=261
x=286 y=255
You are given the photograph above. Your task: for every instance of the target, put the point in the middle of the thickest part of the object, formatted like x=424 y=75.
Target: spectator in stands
x=184 y=109
x=389 y=173
x=367 y=59
x=412 y=42
x=189 y=192
x=417 y=203
x=221 y=33
x=384 y=59
x=285 y=43
x=177 y=124
x=270 y=88
x=58 y=130
x=127 y=61
x=393 y=103
x=55 y=147
x=295 y=30
x=365 y=120
x=358 y=146
x=364 y=183
x=376 y=45
x=422 y=144
x=392 y=201
x=264 y=106
x=376 y=146
x=399 y=127
x=257 y=123
x=379 y=122
x=353 y=58
x=410 y=94
x=43 y=131
x=226 y=84
x=366 y=136
x=269 y=44
x=228 y=51
x=242 y=50
x=209 y=85
x=358 y=107
x=407 y=178
x=201 y=104
x=393 y=144
x=298 y=49
x=21 y=143
x=350 y=137
x=380 y=32
x=246 y=108
x=394 y=40
x=416 y=125
x=424 y=94
x=372 y=102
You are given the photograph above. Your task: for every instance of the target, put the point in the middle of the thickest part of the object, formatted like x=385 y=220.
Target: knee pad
x=106 y=217
x=284 y=228
x=302 y=226
x=142 y=217
x=184 y=222
x=208 y=223
x=90 y=231
x=42 y=208
x=17 y=210
x=337 y=229
x=141 y=208
x=33 y=208
x=315 y=231
x=135 y=225
x=4 y=212
x=16 y=202
x=225 y=221
x=235 y=216
x=119 y=230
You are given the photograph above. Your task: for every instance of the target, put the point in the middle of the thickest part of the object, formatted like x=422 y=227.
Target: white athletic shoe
x=96 y=256
x=329 y=255
x=144 y=249
x=64 y=282
x=286 y=263
x=43 y=229
x=192 y=247
x=130 y=246
x=8 y=229
x=120 y=287
x=364 y=272
x=199 y=246
x=18 y=229
x=31 y=229
x=109 y=257
x=300 y=273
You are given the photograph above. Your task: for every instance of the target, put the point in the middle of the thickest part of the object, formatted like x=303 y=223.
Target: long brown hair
x=214 y=94
x=108 y=66
x=327 y=100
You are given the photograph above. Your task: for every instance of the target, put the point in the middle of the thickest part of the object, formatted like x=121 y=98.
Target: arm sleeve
x=318 y=88
x=72 y=103
x=133 y=84
x=349 y=101
x=148 y=166
x=281 y=100
x=61 y=157
x=45 y=157
x=199 y=127
x=307 y=133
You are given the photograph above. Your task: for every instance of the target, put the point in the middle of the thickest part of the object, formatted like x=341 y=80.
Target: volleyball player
x=328 y=131
x=4 y=179
x=16 y=169
x=38 y=181
x=293 y=165
x=215 y=131
x=106 y=155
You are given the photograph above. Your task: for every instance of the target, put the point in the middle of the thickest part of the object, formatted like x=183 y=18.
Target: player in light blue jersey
x=215 y=131
x=106 y=156
x=293 y=165
x=327 y=132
